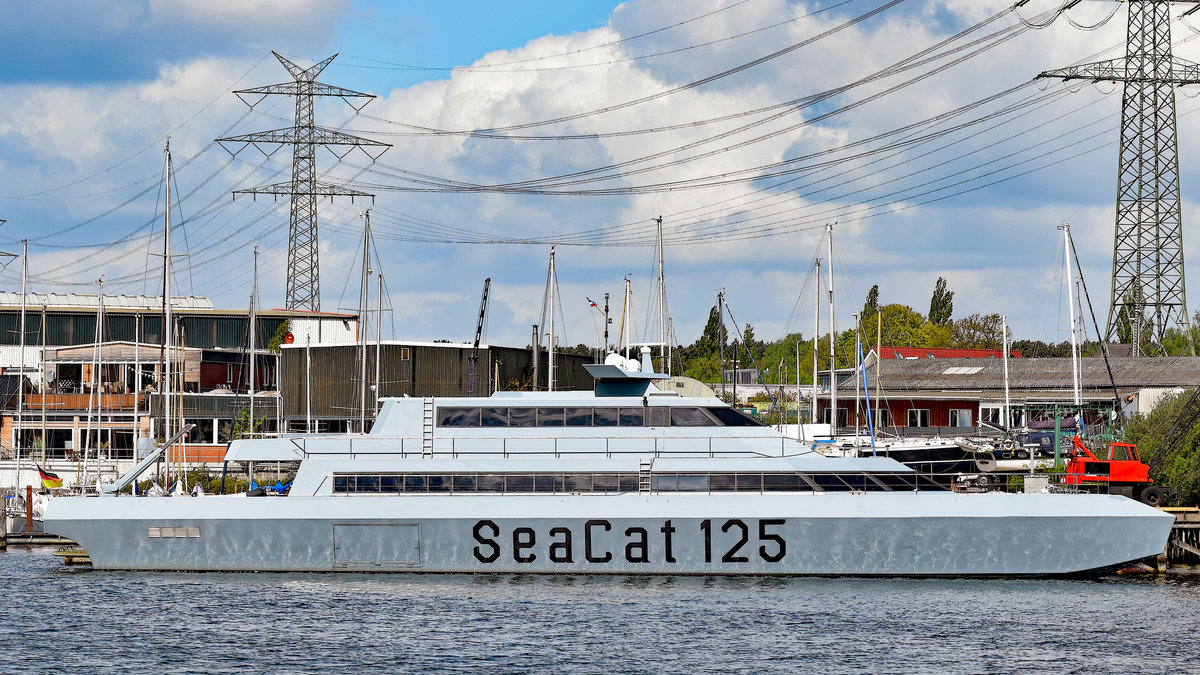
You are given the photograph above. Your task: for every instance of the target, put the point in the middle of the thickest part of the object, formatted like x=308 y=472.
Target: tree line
x=892 y=325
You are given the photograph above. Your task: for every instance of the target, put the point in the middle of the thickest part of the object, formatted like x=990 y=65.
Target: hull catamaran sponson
x=626 y=479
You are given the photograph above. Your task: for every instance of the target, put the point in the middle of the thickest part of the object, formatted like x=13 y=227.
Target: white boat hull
x=877 y=534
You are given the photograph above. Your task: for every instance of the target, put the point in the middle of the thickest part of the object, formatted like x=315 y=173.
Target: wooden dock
x=1183 y=546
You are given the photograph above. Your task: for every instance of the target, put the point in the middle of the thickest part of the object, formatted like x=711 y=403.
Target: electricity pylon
x=1147 y=278
x=303 y=270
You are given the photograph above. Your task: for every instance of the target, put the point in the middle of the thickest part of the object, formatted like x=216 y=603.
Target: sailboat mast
x=1007 y=400
x=857 y=381
x=816 y=334
x=378 y=336
x=721 y=333
x=21 y=391
x=45 y=440
x=362 y=332
x=550 y=367
x=833 y=397
x=253 y=335
x=664 y=353
x=168 y=327
x=1066 y=228
x=97 y=376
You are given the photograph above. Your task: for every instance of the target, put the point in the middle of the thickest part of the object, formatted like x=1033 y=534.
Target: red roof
x=922 y=353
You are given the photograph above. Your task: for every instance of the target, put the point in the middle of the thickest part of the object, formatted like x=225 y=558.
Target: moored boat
x=625 y=479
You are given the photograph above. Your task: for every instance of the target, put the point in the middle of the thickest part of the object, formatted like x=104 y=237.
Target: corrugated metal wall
x=428 y=370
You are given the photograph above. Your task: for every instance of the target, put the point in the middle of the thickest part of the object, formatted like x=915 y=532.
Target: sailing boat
x=935 y=457
x=1033 y=446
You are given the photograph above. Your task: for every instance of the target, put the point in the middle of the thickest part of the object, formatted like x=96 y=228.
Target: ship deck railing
x=367 y=446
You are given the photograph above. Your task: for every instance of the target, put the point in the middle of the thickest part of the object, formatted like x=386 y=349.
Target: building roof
x=88 y=301
x=145 y=303
x=923 y=353
x=1049 y=377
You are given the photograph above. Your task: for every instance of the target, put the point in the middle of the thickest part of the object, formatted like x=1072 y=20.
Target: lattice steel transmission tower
x=303 y=269
x=1147 y=278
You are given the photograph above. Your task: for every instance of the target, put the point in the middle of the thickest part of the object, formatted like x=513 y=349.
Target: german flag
x=49 y=480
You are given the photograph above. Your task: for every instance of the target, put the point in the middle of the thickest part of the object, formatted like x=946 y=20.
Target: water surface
x=60 y=618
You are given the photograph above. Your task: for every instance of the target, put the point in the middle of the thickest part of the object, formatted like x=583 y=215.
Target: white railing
x=364 y=447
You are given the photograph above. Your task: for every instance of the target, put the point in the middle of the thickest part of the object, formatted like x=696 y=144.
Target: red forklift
x=1123 y=472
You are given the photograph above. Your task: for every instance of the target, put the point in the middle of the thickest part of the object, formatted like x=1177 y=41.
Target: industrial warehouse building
x=324 y=385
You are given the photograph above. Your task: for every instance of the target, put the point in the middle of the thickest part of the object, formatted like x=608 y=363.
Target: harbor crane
x=473 y=359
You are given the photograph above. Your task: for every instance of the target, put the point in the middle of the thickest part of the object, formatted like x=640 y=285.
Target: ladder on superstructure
x=645 y=468
x=427 y=429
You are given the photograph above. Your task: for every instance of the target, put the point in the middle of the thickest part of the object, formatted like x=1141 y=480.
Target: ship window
x=549 y=417
x=893 y=481
x=464 y=483
x=632 y=417
x=628 y=481
x=368 y=484
x=458 y=417
x=489 y=482
x=722 y=482
x=664 y=482
x=604 y=482
x=735 y=418
x=547 y=483
x=605 y=417
x=495 y=417
x=657 y=417
x=414 y=483
x=689 y=417
x=577 y=482
x=749 y=482
x=829 y=482
x=579 y=417
x=693 y=482
x=518 y=483
x=522 y=417
x=341 y=483
x=783 y=482
x=438 y=483
x=389 y=483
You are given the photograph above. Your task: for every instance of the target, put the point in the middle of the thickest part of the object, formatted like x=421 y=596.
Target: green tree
x=780 y=357
x=1174 y=460
x=706 y=368
x=941 y=305
x=710 y=339
x=934 y=336
x=871 y=306
x=978 y=331
x=900 y=326
x=279 y=337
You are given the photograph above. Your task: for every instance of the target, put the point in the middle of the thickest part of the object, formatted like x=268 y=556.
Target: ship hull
x=871 y=534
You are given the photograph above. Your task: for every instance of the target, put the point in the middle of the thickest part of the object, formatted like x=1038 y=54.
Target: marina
x=648 y=336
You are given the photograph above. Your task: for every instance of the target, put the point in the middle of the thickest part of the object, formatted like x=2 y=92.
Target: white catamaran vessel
x=625 y=479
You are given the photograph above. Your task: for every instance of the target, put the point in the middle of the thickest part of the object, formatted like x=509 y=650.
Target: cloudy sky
x=916 y=126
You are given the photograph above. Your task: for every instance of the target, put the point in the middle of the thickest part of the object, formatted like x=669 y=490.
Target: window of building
x=960 y=417
x=843 y=417
x=918 y=417
x=883 y=417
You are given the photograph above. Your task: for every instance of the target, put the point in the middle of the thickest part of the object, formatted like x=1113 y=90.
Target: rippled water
x=64 y=618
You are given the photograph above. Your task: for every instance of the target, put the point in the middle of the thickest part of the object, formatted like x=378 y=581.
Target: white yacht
x=627 y=479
